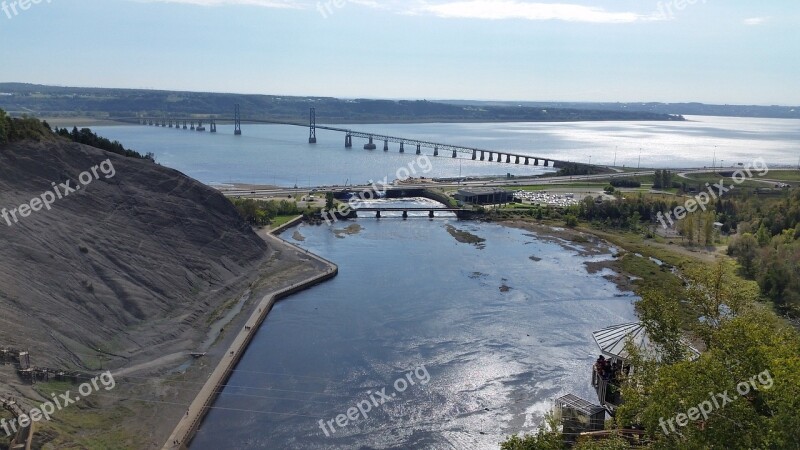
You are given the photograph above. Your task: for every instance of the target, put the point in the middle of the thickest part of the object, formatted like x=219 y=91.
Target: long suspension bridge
x=198 y=124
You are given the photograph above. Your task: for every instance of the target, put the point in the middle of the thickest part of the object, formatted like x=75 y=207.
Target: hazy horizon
x=398 y=98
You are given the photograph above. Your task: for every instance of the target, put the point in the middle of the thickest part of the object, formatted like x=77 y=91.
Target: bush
x=571 y=221
x=626 y=183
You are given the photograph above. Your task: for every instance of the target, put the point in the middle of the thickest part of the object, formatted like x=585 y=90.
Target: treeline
x=17 y=129
x=576 y=169
x=768 y=248
x=263 y=212
x=663 y=180
x=95 y=102
x=766 y=240
x=87 y=137
x=626 y=183
x=628 y=213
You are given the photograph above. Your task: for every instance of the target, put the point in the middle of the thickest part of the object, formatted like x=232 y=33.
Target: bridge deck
x=409 y=209
x=362 y=134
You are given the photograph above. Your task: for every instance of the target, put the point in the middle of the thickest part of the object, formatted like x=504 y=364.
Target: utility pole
x=714 y=163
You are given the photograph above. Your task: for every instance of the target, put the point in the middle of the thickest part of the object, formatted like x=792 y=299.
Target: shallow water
x=409 y=296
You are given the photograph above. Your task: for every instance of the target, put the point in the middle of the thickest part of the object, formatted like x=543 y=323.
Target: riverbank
x=636 y=263
x=188 y=425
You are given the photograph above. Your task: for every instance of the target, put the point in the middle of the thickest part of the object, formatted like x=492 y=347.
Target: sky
x=711 y=51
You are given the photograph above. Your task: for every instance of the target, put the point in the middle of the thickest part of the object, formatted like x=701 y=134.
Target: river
x=280 y=155
x=498 y=329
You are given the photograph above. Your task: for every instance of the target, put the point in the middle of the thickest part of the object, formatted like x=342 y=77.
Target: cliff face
x=139 y=256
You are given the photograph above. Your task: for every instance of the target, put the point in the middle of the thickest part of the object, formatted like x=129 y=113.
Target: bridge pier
x=454 y=154
x=170 y=123
x=312 y=126
x=348 y=141
x=405 y=214
x=184 y=125
x=419 y=149
x=430 y=214
x=237 y=121
x=213 y=126
x=402 y=150
x=482 y=157
x=491 y=156
x=200 y=126
x=546 y=163
x=508 y=159
x=378 y=214
x=192 y=126
x=371 y=145
x=535 y=161
x=474 y=154
x=435 y=151
x=386 y=145
x=527 y=161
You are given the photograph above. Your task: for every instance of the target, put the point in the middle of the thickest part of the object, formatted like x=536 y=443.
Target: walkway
x=191 y=421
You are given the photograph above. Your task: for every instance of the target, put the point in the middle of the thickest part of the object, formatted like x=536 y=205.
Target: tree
x=762 y=236
x=744 y=344
x=4 y=127
x=547 y=438
x=571 y=221
x=708 y=228
x=329 y=201
x=745 y=249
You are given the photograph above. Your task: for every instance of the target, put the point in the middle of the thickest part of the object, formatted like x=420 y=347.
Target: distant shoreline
x=67 y=122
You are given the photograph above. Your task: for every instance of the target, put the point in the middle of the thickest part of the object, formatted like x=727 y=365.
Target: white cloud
x=756 y=21
x=514 y=9
x=456 y=9
x=285 y=4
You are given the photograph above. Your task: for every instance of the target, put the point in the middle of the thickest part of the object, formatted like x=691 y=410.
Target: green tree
x=745 y=249
x=744 y=344
x=571 y=221
x=4 y=127
x=762 y=236
x=547 y=438
x=329 y=201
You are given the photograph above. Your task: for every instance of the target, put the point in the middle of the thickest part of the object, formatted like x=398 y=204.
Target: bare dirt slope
x=120 y=270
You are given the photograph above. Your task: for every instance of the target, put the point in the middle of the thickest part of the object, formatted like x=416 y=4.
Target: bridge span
x=198 y=124
x=431 y=211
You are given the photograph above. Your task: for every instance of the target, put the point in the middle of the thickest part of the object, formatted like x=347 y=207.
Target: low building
x=484 y=196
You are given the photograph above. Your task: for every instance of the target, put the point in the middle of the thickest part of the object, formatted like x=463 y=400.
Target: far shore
x=80 y=121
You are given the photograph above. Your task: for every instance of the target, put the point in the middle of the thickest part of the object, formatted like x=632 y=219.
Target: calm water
x=409 y=295
x=281 y=155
